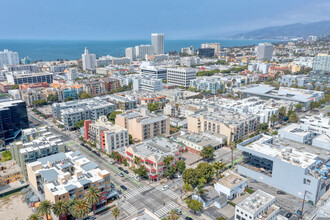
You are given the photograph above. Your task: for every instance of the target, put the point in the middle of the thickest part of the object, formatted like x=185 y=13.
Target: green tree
x=130 y=139
x=93 y=197
x=187 y=187
x=314 y=105
x=205 y=170
x=194 y=205
x=124 y=160
x=80 y=208
x=293 y=118
x=218 y=166
x=33 y=217
x=137 y=160
x=52 y=98
x=141 y=171
x=170 y=172
x=14 y=86
x=298 y=106
x=190 y=176
x=60 y=209
x=221 y=218
x=173 y=215
x=115 y=155
x=113 y=115
x=168 y=160
x=115 y=212
x=85 y=95
x=45 y=208
x=39 y=102
x=79 y=124
x=181 y=166
x=207 y=152
x=273 y=118
x=200 y=191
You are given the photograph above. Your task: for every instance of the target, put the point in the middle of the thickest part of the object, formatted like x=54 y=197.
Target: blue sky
x=136 y=19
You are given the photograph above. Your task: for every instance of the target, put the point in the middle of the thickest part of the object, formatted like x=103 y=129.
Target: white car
x=179 y=176
x=165 y=187
x=131 y=174
x=137 y=178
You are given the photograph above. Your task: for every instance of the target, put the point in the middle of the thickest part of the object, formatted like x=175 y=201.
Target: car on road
x=125 y=171
x=120 y=168
x=178 y=176
x=165 y=187
x=111 y=162
x=288 y=215
x=137 y=178
x=178 y=211
x=120 y=174
x=254 y=181
x=112 y=185
x=188 y=218
x=123 y=187
x=281 y=192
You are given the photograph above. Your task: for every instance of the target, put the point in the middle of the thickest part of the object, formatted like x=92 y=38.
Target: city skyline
x=178 y=20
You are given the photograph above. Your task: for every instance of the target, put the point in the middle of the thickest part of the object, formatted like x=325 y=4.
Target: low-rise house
x=211 y=197
x=9 y=172
x=232 y=185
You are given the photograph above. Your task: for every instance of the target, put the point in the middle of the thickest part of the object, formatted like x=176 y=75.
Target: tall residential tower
x=157 y=41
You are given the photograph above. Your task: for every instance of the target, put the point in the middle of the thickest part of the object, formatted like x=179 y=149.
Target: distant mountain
x=291 y=30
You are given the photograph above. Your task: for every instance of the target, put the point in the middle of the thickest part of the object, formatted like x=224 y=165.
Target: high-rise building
x=265 y=51
x=142 y=50
x=130 y=53
x=206 y=52
x=88 y=60
x=13 y=118
x=215 y=46
x=158 y=73
x=157 y=41
x=321 y=62
x=29 y=78
x=8 y=58
x=180 y=76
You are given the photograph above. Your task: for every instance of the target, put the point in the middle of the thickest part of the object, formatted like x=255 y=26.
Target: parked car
x=254 y=181
x=120 y=168
x=137 y=178
x=125 y=171
x=281 y=192
x=178 y=211
x=120 y=174
x=178 y=176
x=165 y=187
x=123 y=187
x=188 y=218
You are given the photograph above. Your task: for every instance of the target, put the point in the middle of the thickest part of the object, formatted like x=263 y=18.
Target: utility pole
x=302 y=207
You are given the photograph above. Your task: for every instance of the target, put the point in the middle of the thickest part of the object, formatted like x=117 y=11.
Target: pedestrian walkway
x=128 y=207
x=136 y=191
x=168 y=192
x=166 y=209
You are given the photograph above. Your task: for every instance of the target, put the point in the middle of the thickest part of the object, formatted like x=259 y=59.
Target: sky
x=136 y=19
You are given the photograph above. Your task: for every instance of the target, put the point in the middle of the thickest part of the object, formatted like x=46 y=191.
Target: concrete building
x=88 y=60
x=231 y=186
x=130 y=53
x=36 y=143
x=143 y=125
x=210 y=197
x=173 y=95
x=8 y=58
x=188 y=50
x=72 y=74
x=157 y=72
x=148 y=84
x=289 y=80
x=5 y=86
x=157 y=41
x=211 y=84
x=206 y=52
x=33 y=68
x=188 y=61
x=107 y=136
x=120 y=102
x=259 y=205
x=110 y=60
x=321 y=62
x=215 y=46
x=29 y=78
x=68 y=176
x=302 y=96
x=142 y=50
x=295 y=171
x=69 y=113
x=222 y=121
x=195 y=143
x=265 y=51
x=152 y=153
x=13 y=118
x=9 y=172
x=180 y=76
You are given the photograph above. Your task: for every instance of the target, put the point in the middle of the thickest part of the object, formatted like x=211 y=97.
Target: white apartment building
x=130 y=53
x=148 y=84
x=188 y=50
x=188 y=61
x=215 y=46
x=265 y=51
x=110 y=60
x=285 y=166
x=8 y=58
x=232 y=185
x=107 y=136
x=156 y=72
x=142 y=50
x=15 y=78
x=259 y=205
x=88 y=60
x=157 y=41
x=72 y=74
x=180 y=76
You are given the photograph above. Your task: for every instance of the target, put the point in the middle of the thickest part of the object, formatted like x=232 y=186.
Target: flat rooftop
x=231 y=180
x=257 y=201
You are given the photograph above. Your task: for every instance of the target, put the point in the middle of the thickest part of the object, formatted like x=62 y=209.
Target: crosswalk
x=136 y=191
x=128 y=207
x=166 y=209
x=168 y=192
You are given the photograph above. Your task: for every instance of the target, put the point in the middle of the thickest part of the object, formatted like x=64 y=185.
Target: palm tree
x=187 y=187
x=33 y=217
x=80 y=208
x=217 y=166
x=115 y=212
x=167 y=160
x=232 y=148
x=200 y=191
x=273 y=119
x=173 y=215
x=45 y=208
x=137 y=160
x=60 y=209
x=93 y=197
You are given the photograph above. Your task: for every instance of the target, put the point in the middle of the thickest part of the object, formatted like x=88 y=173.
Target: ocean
x=72 y=49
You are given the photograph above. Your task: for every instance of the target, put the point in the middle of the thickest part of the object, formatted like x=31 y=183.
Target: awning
x=153 y=177
x=149 y=161
x=153 y=170
x=161 y=163
x=129 y=154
